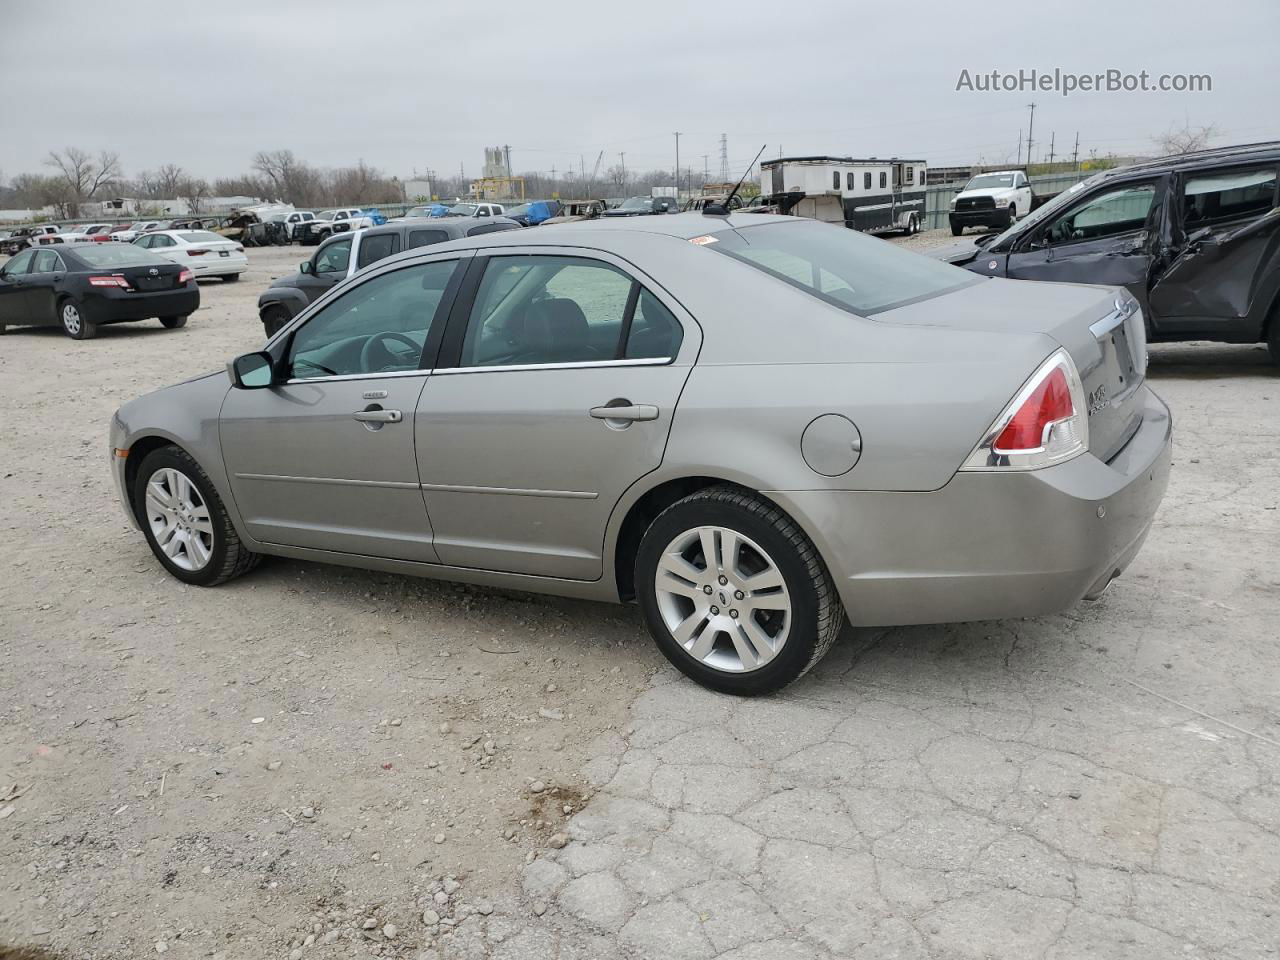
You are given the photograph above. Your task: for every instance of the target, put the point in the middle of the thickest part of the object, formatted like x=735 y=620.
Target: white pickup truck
x=329 y=222
x=991 y=200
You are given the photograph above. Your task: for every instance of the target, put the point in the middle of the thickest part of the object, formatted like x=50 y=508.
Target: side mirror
x=304 y=266
x=252 y=371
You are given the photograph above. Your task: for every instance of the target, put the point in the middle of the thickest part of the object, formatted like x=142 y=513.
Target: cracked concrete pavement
x=991 y=790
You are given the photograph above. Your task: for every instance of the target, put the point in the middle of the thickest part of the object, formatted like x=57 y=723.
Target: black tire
x=273 y=319
x=173 y=323
x=228 y=558
x=230 y=277
x=816 y=616
x=1013 y=214
x=956 y=228
x=1273 y=336
x=74 y=323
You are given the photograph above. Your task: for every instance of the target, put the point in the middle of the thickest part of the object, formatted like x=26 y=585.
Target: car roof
x=1240 y=153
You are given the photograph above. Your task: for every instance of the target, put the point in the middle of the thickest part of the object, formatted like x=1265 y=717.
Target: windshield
x=842 y=267
x=418 y=212
x=201 y=236
x=116 y=255
x=520 y=210
x=636 y=203
x=990 y=180
x=462 y=210
x=326 y=214
x=1049 y=208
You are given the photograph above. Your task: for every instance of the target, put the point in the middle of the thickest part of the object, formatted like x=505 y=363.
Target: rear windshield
x=843 y=267
x=201 y=236
x=116 y=255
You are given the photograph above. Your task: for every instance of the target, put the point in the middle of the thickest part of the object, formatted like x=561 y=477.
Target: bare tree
x=1187 y=139
x=169 y=179
x=193 y=190
x=82 y=175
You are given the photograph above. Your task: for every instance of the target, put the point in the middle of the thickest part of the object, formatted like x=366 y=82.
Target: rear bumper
x=117 y=306
x=991 y=545
x=219 y=266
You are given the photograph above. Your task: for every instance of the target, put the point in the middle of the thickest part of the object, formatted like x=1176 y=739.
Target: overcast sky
x=412 y=86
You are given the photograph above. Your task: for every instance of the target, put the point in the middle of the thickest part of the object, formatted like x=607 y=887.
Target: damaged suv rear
x=1195 y=238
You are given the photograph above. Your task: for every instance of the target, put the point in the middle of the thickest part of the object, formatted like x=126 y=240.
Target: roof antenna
x=722 y=209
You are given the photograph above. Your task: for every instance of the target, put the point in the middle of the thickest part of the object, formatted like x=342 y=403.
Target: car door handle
x=631 y=411
x=378 y=416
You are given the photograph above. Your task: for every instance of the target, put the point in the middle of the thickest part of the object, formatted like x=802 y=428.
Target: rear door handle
x=378 y=416
x=632 y=411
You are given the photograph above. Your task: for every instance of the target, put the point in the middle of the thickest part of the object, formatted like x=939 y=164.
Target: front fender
x=293 y=299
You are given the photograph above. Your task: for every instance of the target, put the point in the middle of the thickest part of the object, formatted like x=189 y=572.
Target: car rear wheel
x=734 y=593
x=1273 y=338
x=173 y=323
x=956 y=229
x=185 y=522
x=74 y=323
x=230 y=277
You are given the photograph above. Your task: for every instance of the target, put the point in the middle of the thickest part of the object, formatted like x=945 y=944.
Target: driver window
x=333 y=258
x=533 y=310
x=380 y=326
x=1106 y=214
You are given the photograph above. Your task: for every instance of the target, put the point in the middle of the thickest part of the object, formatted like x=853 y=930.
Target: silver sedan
x=756 y=427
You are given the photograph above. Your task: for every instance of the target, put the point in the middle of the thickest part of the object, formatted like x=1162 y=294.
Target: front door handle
x=378 y=416
x=630 y=411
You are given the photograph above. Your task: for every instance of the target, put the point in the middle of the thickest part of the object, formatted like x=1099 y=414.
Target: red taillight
x=184 y=276
x=112 y=281
x=1048 y=404
x=196 y=253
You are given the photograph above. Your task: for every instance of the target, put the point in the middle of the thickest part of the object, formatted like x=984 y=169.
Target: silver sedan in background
x=757 y=427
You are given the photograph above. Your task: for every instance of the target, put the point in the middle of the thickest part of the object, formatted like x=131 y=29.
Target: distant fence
x=938 y=197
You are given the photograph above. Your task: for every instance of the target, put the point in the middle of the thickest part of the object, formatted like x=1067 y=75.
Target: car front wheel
x=734 y=593
x=173 y=323
x=185 y=522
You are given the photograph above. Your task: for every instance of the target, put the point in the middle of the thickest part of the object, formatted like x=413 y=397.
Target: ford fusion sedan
x=81 y=286
x=757 y=427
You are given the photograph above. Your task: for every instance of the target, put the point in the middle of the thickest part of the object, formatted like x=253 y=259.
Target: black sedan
x=84 y=285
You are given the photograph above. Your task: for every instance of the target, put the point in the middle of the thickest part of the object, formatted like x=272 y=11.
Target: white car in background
x=205 y=253
x=135 y=230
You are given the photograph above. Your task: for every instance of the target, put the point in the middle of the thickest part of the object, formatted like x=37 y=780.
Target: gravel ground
x=319 y=762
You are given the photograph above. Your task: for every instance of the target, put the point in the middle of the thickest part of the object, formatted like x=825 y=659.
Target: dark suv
x=1196 y=238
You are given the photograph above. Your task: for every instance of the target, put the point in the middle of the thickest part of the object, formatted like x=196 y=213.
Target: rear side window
x=655 y=333
x=844 y=268
x=377 y=247
x=1228 y=195
x=424 y=238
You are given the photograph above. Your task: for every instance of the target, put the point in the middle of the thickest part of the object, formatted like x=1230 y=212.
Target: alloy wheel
x=71 y=318
x=723 y=599
x=179 y=519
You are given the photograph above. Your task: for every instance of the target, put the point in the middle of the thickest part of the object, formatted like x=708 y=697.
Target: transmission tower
x=724 y=158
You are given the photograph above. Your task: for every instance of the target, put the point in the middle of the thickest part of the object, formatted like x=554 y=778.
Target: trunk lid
x=1108 y=345
x=149 y=277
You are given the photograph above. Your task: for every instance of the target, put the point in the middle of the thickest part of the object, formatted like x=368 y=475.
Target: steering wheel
x=379 y=340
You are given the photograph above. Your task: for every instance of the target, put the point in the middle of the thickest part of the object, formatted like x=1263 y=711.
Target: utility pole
x=506 y=151
x=677 y=163
x=622 y=158
x=1019 y=162
x=1075 y=153
x=724 y=158
x=1031 y=126
x=706 y=170
x=1052 y=137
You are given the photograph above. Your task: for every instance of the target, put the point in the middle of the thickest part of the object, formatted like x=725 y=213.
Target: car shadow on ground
x=133 y=328
x=1208 y=361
